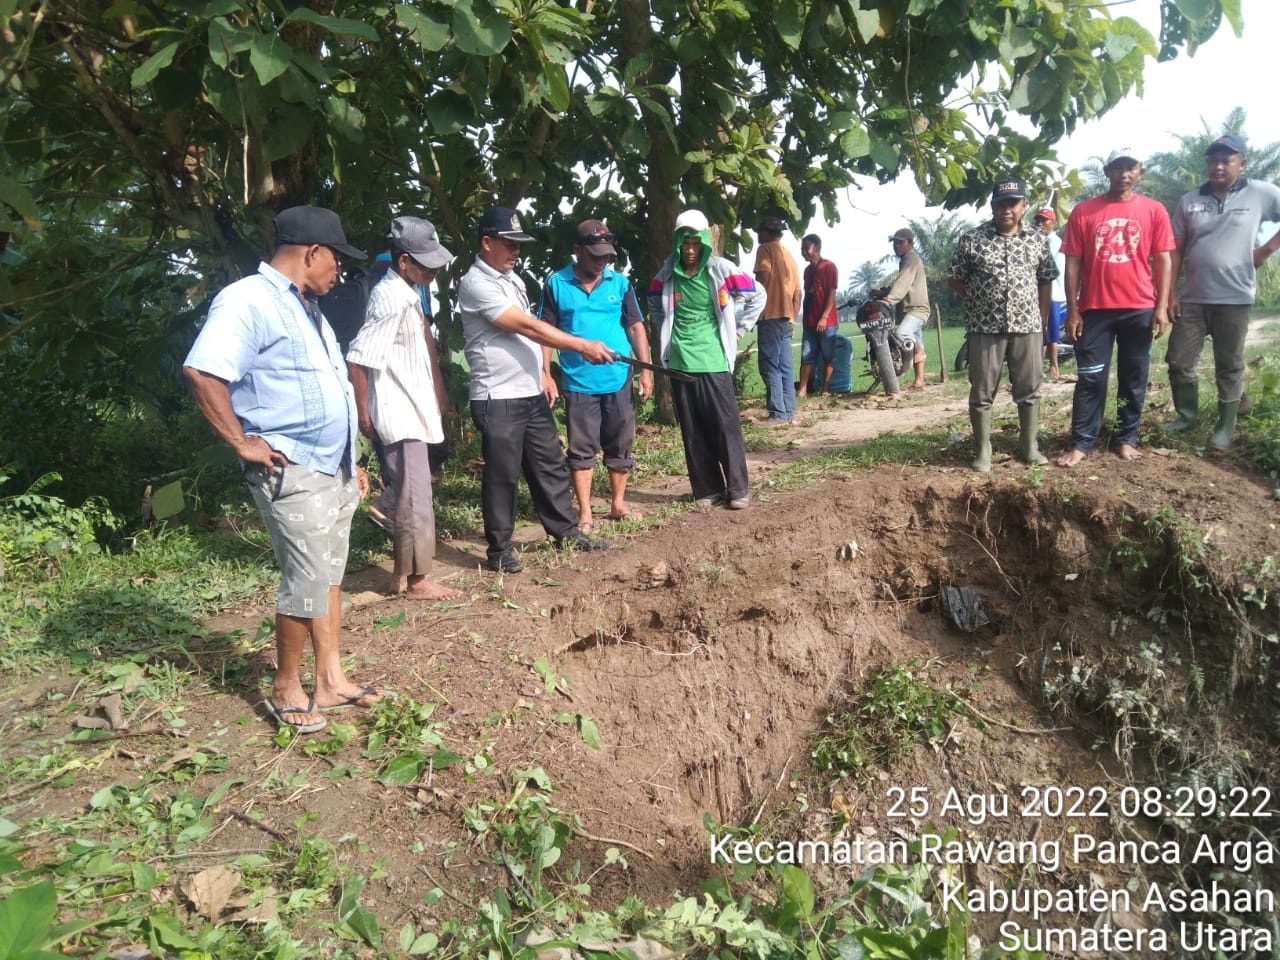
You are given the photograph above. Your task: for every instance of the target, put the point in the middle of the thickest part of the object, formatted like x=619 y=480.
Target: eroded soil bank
x=1129 y=647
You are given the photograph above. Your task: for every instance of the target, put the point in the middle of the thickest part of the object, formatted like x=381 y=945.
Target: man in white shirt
x=400 y=397
x=510 y=398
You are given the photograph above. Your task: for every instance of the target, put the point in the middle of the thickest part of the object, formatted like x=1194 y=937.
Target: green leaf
x=426 y=943
x=855 y=143
x=25 y=918
x=144 y=876
x=1196 y=10
x=542 y=667
x=1016 y=43
x=270 y=57
x=430 y=33
x=221 y=8
x=165 y=930
x=288 y=134
x=884 y=154
x=478 y=29
x=1231 y=10
x=154 y=64
x=868 y=24
x=16 y=196
x=336 y=25
x=557 y=87
x=788 y=19
x=589 y=732
x=1120 y=45
x=443 y=759
x=227 y=40
x=405 y=768
x=361 y=922
x=797 y=891
x=346 y=118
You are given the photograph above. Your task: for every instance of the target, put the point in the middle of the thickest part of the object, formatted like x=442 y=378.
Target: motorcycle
x=888 y=355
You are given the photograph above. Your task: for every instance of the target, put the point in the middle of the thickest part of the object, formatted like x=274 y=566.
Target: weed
x=405 y=741
x=889 y=714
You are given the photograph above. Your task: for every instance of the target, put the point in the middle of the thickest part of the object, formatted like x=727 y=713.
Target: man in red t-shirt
x=1117 y=248
x=821 y=279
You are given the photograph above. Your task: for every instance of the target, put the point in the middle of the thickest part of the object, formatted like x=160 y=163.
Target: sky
x=1225 y=72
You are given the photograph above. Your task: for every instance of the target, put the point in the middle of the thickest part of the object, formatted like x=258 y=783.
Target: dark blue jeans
x=775 y=368
x=1129 y=332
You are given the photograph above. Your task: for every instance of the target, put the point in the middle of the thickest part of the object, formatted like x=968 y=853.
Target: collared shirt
x=776 y=270
x=1002 y=276
x=504 y=365
x=911 y=289
x=392 y=343
x=283 y=369
x=605 y=314
x=1220 y=236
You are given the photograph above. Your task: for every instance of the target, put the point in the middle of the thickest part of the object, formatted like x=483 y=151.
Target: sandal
x=279 y=714
x=365 y=691
x=626 y=515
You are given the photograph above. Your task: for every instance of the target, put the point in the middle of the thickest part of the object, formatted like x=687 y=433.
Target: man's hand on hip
x=257 y=450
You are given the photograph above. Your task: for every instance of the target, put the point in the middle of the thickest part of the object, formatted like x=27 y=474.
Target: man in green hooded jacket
x=701 y=304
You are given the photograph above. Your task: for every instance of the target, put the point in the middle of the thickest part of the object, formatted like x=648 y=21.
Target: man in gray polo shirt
x=1216 y=228
x=510 y=399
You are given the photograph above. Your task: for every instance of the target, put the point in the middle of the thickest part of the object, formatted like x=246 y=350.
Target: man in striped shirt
x=400 y=398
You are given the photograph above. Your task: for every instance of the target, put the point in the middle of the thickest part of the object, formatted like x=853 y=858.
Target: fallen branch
x=264 y=827
x=621 y=843
x=1038 y=731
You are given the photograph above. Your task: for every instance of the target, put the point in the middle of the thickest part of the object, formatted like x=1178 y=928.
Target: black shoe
x=583 y=542
x=505 y=562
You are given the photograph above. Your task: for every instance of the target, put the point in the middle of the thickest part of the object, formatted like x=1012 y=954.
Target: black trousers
x=516 y=434
x=711 y=425
x=1129 y=330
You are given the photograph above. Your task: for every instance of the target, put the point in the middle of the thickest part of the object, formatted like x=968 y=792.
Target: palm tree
x=936 y=243
x=1172 y=173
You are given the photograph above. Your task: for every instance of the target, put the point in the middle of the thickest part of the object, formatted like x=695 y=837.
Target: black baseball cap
x=1228 y=143
x=503 y=222
x=596 y=237
x=1010 y=188
x=304 y=226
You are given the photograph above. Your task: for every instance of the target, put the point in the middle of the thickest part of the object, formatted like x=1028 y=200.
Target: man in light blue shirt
x=268 y=376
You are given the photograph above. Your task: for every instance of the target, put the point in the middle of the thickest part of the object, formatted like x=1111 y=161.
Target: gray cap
x=417 y=238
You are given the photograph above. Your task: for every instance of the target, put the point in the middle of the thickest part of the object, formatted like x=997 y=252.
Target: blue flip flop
x=279 y=714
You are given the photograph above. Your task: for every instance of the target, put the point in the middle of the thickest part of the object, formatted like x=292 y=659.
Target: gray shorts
x=604 y=422
x=308 y=517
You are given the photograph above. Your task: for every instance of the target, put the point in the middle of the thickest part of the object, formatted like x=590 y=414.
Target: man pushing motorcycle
x=910 y=290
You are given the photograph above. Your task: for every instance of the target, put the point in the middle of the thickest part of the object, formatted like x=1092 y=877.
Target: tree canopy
x=144 y=147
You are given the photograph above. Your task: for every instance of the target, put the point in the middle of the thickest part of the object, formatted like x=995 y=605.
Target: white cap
x=1124 y=153
x=694 y=220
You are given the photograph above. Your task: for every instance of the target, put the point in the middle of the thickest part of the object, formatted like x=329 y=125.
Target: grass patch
x=889 y=714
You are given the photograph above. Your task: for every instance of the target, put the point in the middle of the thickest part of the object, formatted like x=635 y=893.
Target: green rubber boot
x=1186 y=404
x=981 y=423
x=1028 y=434
x=1226 y=425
